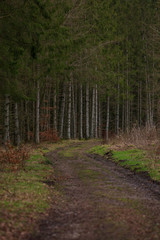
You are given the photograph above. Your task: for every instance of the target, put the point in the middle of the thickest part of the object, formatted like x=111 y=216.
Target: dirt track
x=100 y=200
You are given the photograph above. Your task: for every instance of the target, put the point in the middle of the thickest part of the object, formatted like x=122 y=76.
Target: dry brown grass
x=139 y=137
x=143 y=138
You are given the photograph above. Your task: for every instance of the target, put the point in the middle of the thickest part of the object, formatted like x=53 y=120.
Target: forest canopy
x=84 y=68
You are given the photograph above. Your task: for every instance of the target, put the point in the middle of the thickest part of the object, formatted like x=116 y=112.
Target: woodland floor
x=99 y=200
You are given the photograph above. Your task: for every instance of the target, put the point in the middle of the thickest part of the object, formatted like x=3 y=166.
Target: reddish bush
x=49 y=135
x=15 y=156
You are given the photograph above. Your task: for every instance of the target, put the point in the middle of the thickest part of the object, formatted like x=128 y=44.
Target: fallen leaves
x=13 y=158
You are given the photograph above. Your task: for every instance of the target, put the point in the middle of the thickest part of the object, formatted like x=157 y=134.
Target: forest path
x=99 y=200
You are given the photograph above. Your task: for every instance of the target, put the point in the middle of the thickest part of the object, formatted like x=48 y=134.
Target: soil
x=99 y=200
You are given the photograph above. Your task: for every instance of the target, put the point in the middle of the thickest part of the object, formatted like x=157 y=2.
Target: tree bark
x=107 y=121
x=140 y=104
x=27 y=121
x=87 y=111
x=93 y=113
x=158 y=120
x=127 y=101
x=55 y=111
x=123 y=116
x=81 y=114
x=74 y=106
x=99 y=121
x=96 y=112
x=37 y=138
x=6 y=120
x=62 y=111
x=17 y=132
x=117 y=112
x=69 y=112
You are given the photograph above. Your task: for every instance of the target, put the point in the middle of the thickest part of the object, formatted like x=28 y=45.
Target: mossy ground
x=100 y=150
x=134 y=159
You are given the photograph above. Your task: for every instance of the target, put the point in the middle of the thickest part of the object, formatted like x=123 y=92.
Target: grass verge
x=135 y=159
x=25 y=196
x=99 y=149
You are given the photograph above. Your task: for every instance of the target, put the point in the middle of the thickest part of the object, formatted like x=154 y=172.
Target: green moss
x=155 y=173
x=129 y=154
x=134 y=159
x=100 y=150
x=137 y=160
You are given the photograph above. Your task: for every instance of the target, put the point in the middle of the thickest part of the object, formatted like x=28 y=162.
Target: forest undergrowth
x=138 y=150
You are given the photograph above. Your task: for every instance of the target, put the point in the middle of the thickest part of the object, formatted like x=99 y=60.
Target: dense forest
x=78 y=69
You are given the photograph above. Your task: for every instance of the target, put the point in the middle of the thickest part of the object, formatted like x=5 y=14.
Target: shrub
x=49 y=135
x=13 y=156
x=140 y=137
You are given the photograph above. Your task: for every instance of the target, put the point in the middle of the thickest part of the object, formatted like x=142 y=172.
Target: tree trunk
x=62 y=111
x=153 y=90
x=147 y=101
x=127 y=101
x=17 y=132
x=81 y=114
x=87 y=111
x=99 y=121
x=96 y=111
x=55 y=111
x=140 y=104
x=117 y=112
x=107 y=122
x=27 y=121
x=48 y=108
x=93 y=113
x=123 y=116
x=74 y=106
x=37 y=139
x=6 y=120
x=158 y=120
x=69 y=112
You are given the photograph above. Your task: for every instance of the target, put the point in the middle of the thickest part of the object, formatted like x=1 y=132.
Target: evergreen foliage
x=113 y=45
